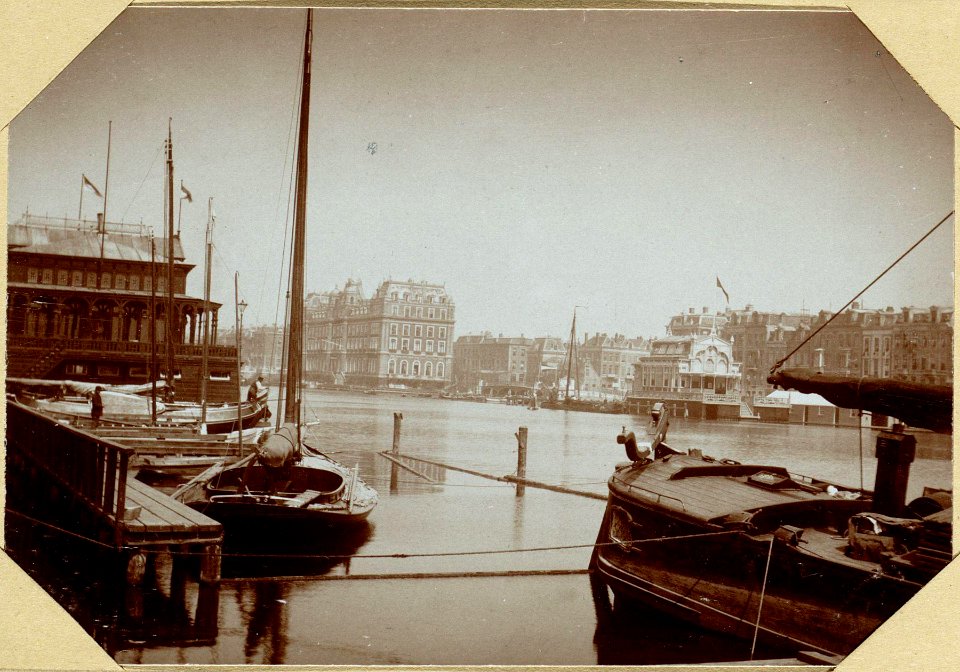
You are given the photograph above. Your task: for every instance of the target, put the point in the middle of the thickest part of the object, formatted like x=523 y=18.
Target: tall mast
x=295 y=337
x=204 y=361
x=153 y=329
x=170 y=321
x=570 y=353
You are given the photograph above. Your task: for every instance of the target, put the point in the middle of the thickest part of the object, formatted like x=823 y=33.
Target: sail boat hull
x=314 y=492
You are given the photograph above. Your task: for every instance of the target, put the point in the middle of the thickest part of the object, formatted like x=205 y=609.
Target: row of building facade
x=403 y=334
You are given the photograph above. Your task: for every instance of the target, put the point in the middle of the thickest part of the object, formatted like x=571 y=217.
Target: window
x=429 y=346
x=416 y=345
x=91 y=279
x=63 y=277
x=416 y=368
x=418 y=330
x=393 y=343
x=441 y=347
x=431 y=312
x=430 y=331
x=406 y=311
x=405 y=344
x=442 y=332
x=406 y=330
x=48 y=276
x=135 y=282
x=137 y=372
x=395 y=310
x=428 y=370
x=33 y=275
x=443 y=313
x=403 y=367
x=76 y=369
x=391 y=367
x=439 y=369
x=393 y=328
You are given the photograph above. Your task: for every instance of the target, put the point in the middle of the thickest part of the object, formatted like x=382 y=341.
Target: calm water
x=329 y=611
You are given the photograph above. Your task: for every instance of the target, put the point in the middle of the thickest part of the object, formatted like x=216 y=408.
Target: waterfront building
x=922 y=343
x=695 y=375
x=402 y=335
x=79 y=299
x=545 y=361
x=613 y=359
x=485 y=363
x=759 y=340
x=693 y=323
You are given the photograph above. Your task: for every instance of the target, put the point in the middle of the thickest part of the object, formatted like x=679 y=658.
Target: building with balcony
x=695 y=375
x=402 y=335
x=87 y=302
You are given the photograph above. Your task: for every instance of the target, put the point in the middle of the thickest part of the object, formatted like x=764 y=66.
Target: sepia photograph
x=477 y=336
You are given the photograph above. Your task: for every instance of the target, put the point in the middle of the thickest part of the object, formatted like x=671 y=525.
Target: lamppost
x=239 y=307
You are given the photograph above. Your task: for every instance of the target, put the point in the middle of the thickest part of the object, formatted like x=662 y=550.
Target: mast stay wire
x=781 y=361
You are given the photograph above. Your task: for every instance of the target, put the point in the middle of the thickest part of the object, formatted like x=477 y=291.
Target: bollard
x=521 y=460
x=394 y=473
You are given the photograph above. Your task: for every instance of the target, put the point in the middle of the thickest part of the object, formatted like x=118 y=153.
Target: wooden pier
x=86 y=478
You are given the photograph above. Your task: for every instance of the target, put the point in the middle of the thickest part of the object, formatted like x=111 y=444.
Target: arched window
x=391 y=367
x=428 y=370
x=416 y=368
x=403 y=367
x=439 y=369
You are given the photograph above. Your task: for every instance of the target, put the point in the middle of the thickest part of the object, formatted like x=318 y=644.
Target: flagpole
x=180 y=207
x=106 y=187
x=80 y=213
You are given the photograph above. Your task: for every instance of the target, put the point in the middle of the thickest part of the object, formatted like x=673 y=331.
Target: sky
x=532 y=161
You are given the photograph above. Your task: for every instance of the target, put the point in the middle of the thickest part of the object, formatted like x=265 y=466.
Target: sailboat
x=286 y=481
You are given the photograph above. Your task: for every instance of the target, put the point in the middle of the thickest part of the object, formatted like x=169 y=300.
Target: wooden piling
x=521 y=461
x=210 y=564
x=394 y=473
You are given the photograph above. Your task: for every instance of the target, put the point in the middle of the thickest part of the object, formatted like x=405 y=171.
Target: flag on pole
x=87 y=184
x=186 y=193
x=720 y=285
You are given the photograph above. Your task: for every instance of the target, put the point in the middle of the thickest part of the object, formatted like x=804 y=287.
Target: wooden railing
x=87 y=345
x=93 y=470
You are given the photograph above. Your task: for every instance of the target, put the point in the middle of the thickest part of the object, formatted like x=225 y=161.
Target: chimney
x=690 y=310
x=895 y=452
x=705 y=308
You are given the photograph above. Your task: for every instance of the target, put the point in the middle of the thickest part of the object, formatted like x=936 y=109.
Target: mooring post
x=210 y=564
x=395 y=449
x=521 y=460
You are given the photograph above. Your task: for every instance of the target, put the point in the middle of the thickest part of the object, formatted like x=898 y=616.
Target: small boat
x=121 y=408
x=286 y=487
x=756 y=552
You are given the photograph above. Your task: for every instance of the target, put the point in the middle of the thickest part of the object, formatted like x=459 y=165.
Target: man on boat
x=256 y=389
x=96 y=406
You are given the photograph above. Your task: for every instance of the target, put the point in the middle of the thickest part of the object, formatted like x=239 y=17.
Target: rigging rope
x=781 y=361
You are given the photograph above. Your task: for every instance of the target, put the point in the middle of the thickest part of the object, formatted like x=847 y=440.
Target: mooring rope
x=763 y=592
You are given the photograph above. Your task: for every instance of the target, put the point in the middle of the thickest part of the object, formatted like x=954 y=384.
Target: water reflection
x=628 y=633
x=262 y=606
x=297 y=555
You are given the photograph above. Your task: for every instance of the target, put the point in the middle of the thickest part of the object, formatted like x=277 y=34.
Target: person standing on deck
x=256 y=388
x=96 y=406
